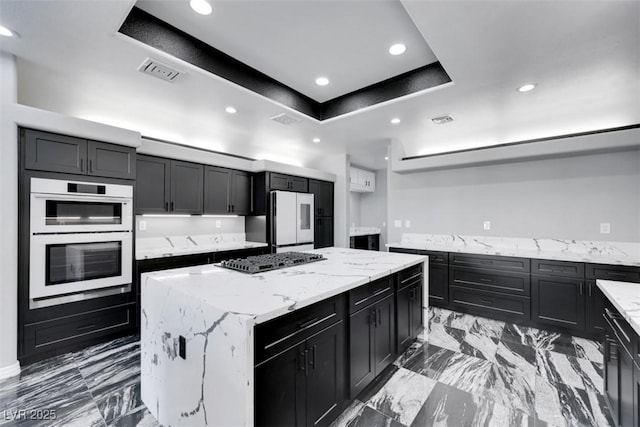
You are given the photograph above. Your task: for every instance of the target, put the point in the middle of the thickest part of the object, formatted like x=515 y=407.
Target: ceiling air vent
x=158 y=69
x=285 y=119
x=448 y=118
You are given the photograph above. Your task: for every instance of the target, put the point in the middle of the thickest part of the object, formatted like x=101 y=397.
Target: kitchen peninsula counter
x=208 y=379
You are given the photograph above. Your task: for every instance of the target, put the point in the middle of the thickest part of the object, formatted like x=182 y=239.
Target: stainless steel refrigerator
x=291 y=221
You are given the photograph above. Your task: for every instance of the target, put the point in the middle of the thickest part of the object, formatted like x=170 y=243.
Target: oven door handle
x=83 y=197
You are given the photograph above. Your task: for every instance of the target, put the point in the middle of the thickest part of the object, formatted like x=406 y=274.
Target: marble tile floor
x=471 y=371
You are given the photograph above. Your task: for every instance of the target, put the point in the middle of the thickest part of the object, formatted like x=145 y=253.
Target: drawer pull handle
x=614 y=319
x=84 y=328
x=379 y=316
x=486 y=301
x=380 y=291
x=615 y=273
x=306 y=324
x=412 y=277
x=486 y=280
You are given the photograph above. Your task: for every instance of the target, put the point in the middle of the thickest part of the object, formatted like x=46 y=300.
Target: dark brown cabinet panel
x=323 y=197
x=153 y=185
x=594 y=308
x=491 y=280
x=323 y=232
x=557 y=268
x=409 y=313
x=110 y=160
x=438 y=285
x=558 y=301
x=52 y=152
x=613 y=272
x=217 y=190
x=497 y=305
x=278 y=181
x=241 y=192
x=168 y=186
x=488 y=261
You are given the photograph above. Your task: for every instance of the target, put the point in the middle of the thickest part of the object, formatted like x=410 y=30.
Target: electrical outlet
x=605 y=228
x=142 y=225
x=218 y=223
x=397 y=223
x=487 y=225
x=384 y=223
x=407 y=223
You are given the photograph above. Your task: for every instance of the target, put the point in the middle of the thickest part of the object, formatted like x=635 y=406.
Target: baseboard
x=10 y=371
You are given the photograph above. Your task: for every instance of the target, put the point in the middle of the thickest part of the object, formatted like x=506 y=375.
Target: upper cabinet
x=361 y=180
x=59 y=153
x=278 y=181
x=169 y=186
x=226 y=191
x=323 y=197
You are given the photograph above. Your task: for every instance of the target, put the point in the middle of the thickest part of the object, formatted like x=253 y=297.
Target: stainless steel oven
x=81 y=240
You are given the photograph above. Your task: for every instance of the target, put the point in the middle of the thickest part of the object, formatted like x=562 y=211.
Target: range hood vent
x=158 y=69
x=285 y=119
x=447 y=118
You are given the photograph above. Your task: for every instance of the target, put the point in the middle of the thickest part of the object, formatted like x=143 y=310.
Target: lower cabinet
x=323 y=232
x=594 y=309
x=409 y=314
x=558 y=301
x=438 y=285
x=304 y=384
x=372 y=343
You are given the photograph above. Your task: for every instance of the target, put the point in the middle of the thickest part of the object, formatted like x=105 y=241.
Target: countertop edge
x=204 y=250
x=602 y=285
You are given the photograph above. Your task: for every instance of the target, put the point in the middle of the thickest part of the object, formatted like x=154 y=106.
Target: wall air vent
x=158 y=69
x=448 y=118
x=285 y=119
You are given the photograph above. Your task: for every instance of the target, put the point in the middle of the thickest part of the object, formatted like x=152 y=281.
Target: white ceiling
x=584 y=55
x=295 y=42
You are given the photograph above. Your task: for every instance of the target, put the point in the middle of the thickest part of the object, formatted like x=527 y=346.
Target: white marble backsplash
x=157 y=247
x=363 y=231
x=627 y=253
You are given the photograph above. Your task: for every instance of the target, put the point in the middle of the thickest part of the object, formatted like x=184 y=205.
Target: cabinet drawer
x=557 y=268
x=282 y=332
x=409 y=275
x=59 y=333
x=370 y=293
x=436 y=257
x=491 y=280
x=623 y=330
x=491 y=303
x=403 y=250
x=487 y=261
x=613 y=272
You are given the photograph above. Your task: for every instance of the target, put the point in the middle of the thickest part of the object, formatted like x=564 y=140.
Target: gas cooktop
x=260 y=263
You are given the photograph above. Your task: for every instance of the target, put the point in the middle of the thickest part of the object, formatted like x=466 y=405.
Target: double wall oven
x=80 y=240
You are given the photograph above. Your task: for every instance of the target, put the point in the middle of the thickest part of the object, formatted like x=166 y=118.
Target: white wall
x=373 y=207
x=8 y=218
x=564 y=198
x=354 y=209
x=179 y=226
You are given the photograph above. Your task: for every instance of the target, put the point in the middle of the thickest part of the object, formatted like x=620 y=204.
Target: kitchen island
x=198 y=327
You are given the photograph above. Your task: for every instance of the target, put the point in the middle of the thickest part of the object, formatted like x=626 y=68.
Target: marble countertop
x=363 y=231
x=160 y=247
x=625 y=297
x=264 y=296
x=615 y=253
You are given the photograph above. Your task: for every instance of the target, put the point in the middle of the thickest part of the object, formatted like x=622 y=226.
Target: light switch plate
x=397 y=223
x=142 y=225
x=218 y=223
x=487 y=225
x=605 y=228
x=407 y=223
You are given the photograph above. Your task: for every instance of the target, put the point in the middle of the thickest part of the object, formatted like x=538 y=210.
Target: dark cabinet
x=168 y=186
x=438 y=285
x=558 y=301
x=278 y=181
x=409 y=313
x=323 y=232
x=303 y=384
x=60 y=153
x=372 y=342
x=226 y=191
x=594 y=308
x=323 y=197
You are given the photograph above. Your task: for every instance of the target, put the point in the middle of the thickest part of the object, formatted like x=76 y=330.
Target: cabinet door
x=626 y=388
x=153 y=184
x=278 y=181
x=241 y=193
x=611 y=378
x=326 y=198
x=298 y=184
x=417 y=321
x=110 y=160
x=385 y=334
x=217 y=190
x=403 y=316
x=558 y=301
x=187 y=189
x=373 y=242
x=636 y=394
x=323 y=232
x=361 y=350
x=326 y=388
x=594 y=308
x=280 y=389
x=438 y=285
x=54 y=153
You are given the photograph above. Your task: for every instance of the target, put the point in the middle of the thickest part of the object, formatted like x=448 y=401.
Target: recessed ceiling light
x=230 y=110
x=4 y=31
x=528 y=87
x=395 y=121
x=397 y=49
x=322 y=81
x=316 y=140
x=201 y=6
x=386 y=157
